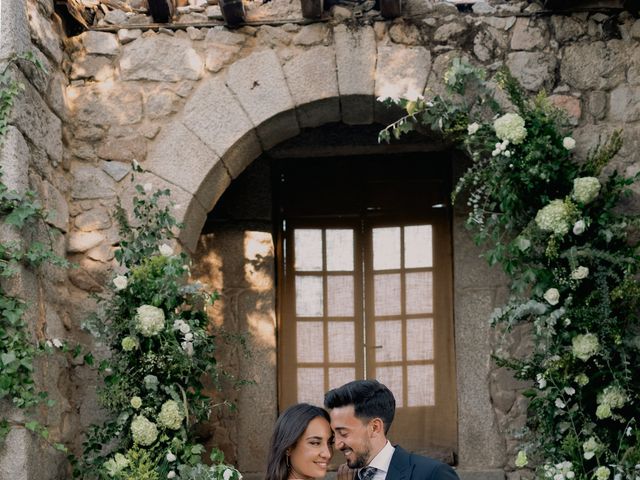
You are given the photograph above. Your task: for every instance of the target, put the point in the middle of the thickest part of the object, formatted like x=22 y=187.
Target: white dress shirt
x=382 y=461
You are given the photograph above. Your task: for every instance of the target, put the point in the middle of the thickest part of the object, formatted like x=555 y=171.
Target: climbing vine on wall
x=557 y=225
x=18 y=348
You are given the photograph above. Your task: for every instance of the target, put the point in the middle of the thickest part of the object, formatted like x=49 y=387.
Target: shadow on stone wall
x=236 y=258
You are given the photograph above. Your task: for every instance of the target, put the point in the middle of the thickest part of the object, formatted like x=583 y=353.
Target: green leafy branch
x=18 y=349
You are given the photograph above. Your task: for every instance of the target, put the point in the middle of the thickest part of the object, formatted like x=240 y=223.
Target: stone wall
x=195 y=106
x=32 y=157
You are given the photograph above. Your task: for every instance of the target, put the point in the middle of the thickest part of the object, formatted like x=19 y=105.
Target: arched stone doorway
x=231 y=120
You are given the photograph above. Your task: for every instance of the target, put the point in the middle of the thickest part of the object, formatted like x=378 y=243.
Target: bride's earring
x=288 y=462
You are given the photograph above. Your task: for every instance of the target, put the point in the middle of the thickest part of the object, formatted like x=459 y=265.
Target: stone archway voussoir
x=311 y=76
x=356 y=55
x=214 y=115
x=259 y=84
x=182 y=159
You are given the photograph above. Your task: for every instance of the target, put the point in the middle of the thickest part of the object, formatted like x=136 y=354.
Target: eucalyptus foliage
x=558 y=226
x=162 y=348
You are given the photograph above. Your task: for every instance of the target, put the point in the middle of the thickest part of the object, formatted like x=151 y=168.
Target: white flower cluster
x=185 y=329
x=521 y=459
x=552 y=296
x=559 y=471
x=581 y=379
x=56 y=342
x=129 y=344
x=151 y=382
x=585 y=189
x=602 y=473
x=116 y=465
x=143 y=431
x=568 y=143
x=120 y=282
x=510 y=126
x=580 y=273
x=554 y=217
x=541 y=381
x=136 y=402
x=472 y=128
x=579 y=227
x=590 y=447
x=228 y=474
x=149 y=320
x=610 y=398
x=501 y=149
x=585 y=346
x=170 y=415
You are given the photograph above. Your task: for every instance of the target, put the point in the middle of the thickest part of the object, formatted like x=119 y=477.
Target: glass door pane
x=324 y=314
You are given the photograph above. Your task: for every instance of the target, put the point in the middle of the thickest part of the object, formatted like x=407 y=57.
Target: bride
x=301 y=445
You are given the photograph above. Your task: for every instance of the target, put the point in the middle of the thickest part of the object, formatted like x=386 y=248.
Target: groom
x=361 y=414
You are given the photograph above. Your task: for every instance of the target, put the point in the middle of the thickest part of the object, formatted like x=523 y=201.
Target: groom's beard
x=362 y=457
x=361 y=460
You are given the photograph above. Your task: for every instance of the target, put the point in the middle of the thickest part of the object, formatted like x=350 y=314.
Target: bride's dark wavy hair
x=288 y=429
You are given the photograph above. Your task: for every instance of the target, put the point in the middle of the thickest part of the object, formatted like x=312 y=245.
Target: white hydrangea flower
x=227 y=474
x=568 y=143
x=580 y=273
x=585 y=189
x=602 y=473
x=585 y=346
x=613 y=396
x=569 y=390
x=170 y=415
x=552 y=296
x=151 y=382
x=171 y=457
x=149 y=320
x=165 y=250
x=115 y=465
x=136 y=402
x=510 y=126
x=581 y=379
x=603 y=411
x=120 y=282
x=554 y=217
x=143 y=431
x=559 y=403
x=473 y=128
x=171 y=474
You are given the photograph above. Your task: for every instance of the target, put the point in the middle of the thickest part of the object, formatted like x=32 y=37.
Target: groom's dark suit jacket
x=409 y=466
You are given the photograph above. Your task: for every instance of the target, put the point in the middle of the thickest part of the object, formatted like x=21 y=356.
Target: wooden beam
x=312 y=8
x=233 y=11
x=75 y=17
x=391 y=8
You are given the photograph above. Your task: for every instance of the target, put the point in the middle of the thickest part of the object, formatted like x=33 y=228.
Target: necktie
x=367 y=473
